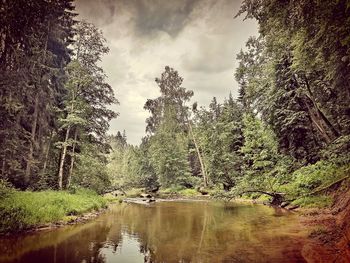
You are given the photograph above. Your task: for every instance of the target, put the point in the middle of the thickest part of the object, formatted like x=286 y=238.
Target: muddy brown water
x=201 y=231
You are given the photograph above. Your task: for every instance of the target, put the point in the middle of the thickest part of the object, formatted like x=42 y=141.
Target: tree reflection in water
x=167 y=232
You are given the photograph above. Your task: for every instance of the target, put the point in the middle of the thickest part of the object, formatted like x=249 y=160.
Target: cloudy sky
x=198 y=38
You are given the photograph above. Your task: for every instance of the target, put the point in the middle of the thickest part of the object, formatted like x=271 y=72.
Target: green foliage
x=188 y=192
x=91 y=171
x=169 y=158
x=54 y=97
x=314 y=201
x=5 y=189
x=219 y=132
x=33 y=55
x=23 y=210
x=173 y=95
x=129 y=166
x=265 y=169
x=338 y=150
x=315 y=176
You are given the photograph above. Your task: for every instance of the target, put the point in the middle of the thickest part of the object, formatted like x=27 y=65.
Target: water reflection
x=167 y=232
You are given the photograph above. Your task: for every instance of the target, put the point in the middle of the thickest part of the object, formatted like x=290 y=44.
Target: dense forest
x=54 y=97
x=286 y=135
x=282 y=139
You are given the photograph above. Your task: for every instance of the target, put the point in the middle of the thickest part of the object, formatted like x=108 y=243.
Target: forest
x=54 y=97
x=286 y=137
x=286 y=134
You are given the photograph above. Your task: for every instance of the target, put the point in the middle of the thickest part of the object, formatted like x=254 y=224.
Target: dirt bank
x=331 y=228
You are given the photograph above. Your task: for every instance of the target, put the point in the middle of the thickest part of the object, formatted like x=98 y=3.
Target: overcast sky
x=198 y=38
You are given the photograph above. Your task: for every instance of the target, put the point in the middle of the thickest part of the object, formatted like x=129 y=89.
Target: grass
x=172 y=189
x=188 y=192
x=113 y=199
x=134 y=192
x=321 y=201
x=20 y=210
x=315 y=176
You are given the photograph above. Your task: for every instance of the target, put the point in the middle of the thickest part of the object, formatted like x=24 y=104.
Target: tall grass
x=22 y=210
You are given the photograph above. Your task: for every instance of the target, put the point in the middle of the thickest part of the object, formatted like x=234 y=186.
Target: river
x=181 y=231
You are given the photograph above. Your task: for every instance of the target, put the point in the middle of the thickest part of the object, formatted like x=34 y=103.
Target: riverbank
x=22 y=211
x=331 y=225
x=31 y=211
x=327 y=216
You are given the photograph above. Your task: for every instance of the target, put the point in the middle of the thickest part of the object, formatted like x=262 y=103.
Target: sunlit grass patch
x=22 y=210
x=188 y=192
x=110 y=198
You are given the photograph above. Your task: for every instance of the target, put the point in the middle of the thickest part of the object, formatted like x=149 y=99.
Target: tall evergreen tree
x=35 y=38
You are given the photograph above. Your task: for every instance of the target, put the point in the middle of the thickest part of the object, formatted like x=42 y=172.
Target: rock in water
x=145 y=195
x=284 y=204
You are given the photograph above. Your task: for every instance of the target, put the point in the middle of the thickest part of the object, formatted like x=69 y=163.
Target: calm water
x=168 y=232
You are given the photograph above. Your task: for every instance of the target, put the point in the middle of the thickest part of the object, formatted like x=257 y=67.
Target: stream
x=178 y=231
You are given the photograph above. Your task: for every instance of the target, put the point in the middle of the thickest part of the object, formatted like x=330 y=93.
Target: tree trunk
x=47 y=154
x=35 y=116
x=64 y=150
x=63 y=156
x=72 y=159
x=332 y=130
x=205 y=179
x=32 y=140
x=315 y=120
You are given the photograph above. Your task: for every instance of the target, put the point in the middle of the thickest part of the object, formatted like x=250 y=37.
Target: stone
x=145 y=195
x=284 y=204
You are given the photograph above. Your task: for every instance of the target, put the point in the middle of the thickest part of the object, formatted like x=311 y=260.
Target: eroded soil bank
x=331 y=228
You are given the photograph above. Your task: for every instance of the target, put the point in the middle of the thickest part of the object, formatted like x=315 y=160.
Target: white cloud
x=200 y=40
